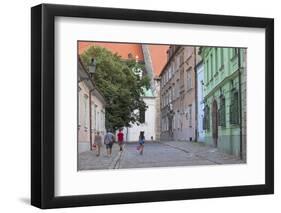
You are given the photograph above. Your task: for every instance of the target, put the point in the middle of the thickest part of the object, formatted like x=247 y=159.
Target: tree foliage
x=120 y=83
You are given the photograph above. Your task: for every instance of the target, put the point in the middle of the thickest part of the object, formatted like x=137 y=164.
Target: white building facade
x=132 y=133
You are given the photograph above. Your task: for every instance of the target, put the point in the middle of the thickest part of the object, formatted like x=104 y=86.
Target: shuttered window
x=222 y=121
x=234 y=108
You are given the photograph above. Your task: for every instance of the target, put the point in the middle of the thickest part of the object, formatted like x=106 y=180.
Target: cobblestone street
x=157 y=154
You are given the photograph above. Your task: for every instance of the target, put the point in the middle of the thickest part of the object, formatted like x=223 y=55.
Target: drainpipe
x=90 y=115
x=195 y=84
x=240 y=103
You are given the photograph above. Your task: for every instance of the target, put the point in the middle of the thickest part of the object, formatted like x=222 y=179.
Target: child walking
x=141 y=142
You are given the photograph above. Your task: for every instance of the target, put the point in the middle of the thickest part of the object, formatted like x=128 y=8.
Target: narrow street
x=157 y=154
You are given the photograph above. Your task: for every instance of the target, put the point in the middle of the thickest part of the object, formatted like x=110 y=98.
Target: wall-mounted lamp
x=92 y=66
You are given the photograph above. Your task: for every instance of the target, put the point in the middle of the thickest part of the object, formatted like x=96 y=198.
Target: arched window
x=234 y=108
x=222 y=121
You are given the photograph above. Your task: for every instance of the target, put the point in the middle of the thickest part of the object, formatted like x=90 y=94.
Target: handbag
x=94 y=146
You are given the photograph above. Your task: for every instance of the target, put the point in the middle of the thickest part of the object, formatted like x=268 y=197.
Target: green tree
x=120 y=83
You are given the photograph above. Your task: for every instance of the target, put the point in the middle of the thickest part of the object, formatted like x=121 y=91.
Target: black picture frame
x=43 y=105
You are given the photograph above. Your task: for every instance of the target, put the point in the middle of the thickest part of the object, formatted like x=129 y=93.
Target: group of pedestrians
x=109 y=140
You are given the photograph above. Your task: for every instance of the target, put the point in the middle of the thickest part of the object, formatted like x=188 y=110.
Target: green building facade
x=224 y=119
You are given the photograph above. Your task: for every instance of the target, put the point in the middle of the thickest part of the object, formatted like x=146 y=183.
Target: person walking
x=98 y=142
x=108 y=141
x=141 y=142
x=120 y=137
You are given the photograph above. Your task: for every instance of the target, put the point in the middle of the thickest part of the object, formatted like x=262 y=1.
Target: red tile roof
x=158 y=53
x=122 y=49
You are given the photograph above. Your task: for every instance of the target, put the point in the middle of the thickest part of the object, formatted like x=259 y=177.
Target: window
x=98 y=121
x=170 y=95
x=222 y=112
x=206 y=118
x=202 y=91
x=142 y=115
x=178 y=89
x=208 y=71
x=189 y=80
x=93 y=116
x=211 y=66
x=175 y=66
x=96 y=116
x=190 y=115
x=206 y=67
x=217 y=60
x=86 y=111
x=221 y=56
x=178 y=61
x=169 y=73
x=181 y=59
x=234 y=108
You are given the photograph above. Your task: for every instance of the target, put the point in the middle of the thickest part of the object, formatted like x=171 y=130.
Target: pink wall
x=83 y=115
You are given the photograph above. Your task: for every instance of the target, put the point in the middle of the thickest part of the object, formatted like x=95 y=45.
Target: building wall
x=98 y=115
x=84 y=119
x=178 y=91
x=221 y=79
x=200 y=103
x=132 y=133
x=157 y=111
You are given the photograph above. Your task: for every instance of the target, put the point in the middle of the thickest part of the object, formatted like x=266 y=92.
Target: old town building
x=178 y=110
x=91 y=110
x=200 y=101
x=225 y=99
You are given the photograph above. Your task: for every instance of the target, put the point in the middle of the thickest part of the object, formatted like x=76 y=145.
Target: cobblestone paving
x=88 y=160
x=157 y=154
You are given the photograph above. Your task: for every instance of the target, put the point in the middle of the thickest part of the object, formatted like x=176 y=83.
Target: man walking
x=108 y=141
x=120 y=137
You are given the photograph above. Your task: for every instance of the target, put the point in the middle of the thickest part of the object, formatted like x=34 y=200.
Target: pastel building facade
x=200 y=101
x=148 y=121
x=177 y=95
x=91 y=110
x=225 y=99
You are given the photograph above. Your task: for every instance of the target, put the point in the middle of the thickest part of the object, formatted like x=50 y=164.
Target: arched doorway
x=215 y=122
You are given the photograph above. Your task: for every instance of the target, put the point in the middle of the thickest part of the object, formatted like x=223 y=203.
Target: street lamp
x=92 y=66
x=92 y=70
